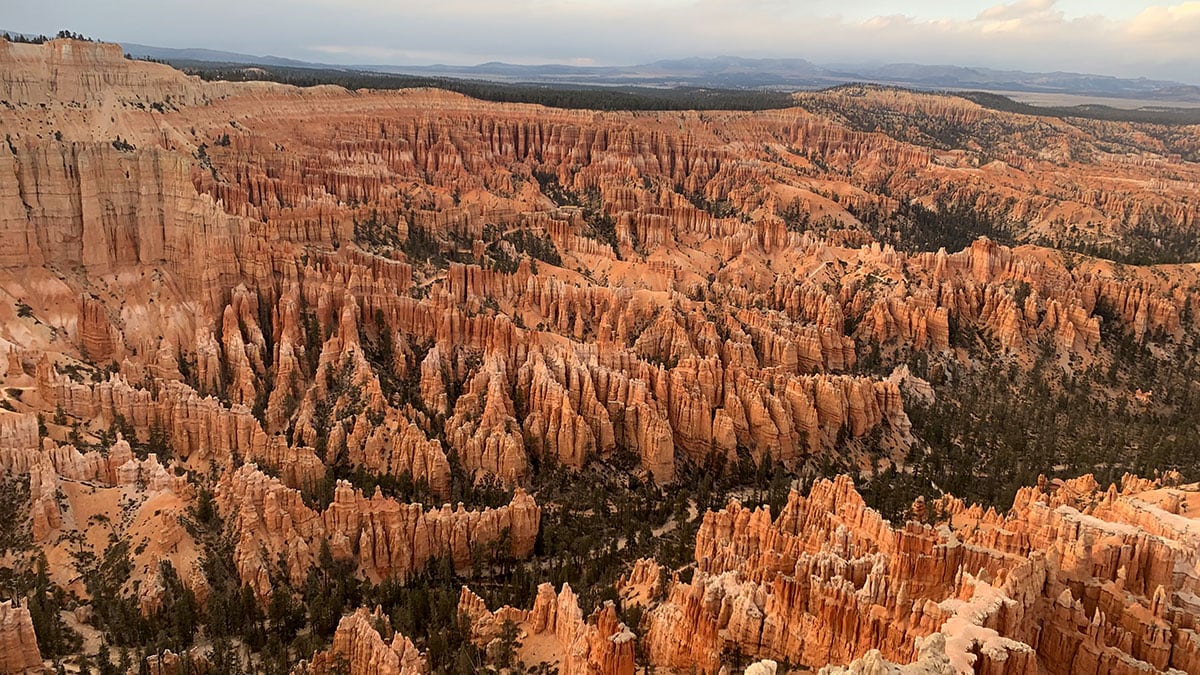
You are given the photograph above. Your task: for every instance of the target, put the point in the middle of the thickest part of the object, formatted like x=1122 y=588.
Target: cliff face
x=69 y=70
x=18 y=645
x=1074 y=579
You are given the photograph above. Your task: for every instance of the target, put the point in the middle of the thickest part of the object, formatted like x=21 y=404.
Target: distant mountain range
x=215 y=56
x=730 y=72
x=742 y=73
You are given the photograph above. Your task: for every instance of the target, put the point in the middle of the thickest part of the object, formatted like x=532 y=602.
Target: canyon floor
x=311 y=380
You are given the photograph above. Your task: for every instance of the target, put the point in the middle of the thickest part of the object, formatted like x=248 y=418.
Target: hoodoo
x=336 y=379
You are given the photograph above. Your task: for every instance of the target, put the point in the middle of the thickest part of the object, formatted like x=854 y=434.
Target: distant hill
x=138 y=51
x=731 y=72
x=958 y=77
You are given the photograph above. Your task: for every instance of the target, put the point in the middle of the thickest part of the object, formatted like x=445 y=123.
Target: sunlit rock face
x=359 y=649
x=18 y=644
x=1074 y=578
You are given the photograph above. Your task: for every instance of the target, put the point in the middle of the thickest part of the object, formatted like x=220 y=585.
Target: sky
x=1127 y=38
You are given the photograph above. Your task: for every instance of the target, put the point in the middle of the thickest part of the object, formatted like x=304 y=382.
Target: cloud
x=1160 y=41
x=1017 y=17
x=1016 y=10
x=1021 y=34
x=1176 y=23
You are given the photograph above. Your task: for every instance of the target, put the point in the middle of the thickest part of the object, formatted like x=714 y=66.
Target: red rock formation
x=686 y=343
x=170 y=663
x=18 y=645
x=316 y=279
x=1073 y=580
x=17 y=432
x=643 y=584
x=397 y=447
x=359 y=649
x=383 y=537
x=931 y=660
x=601 y=645
x=116 y=467
x=199 y=428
